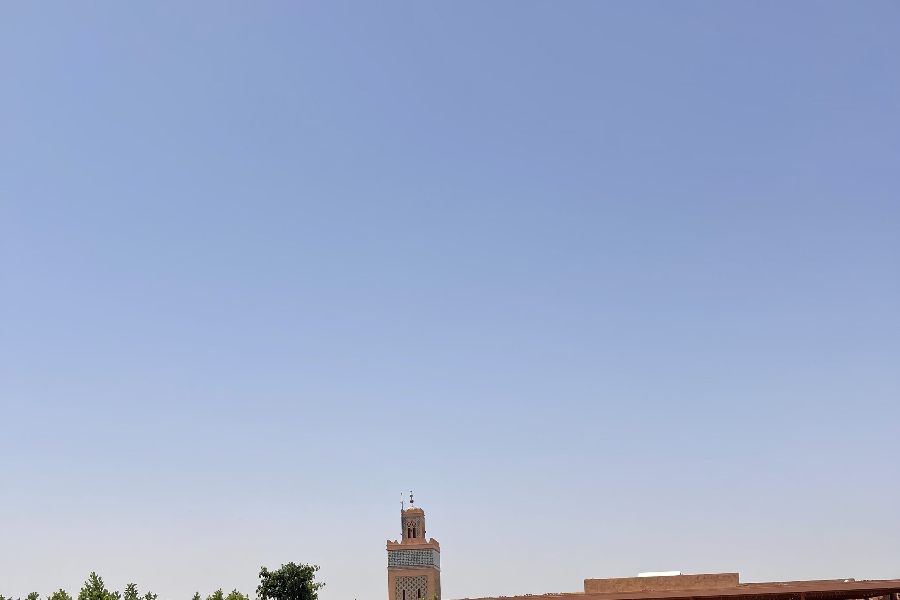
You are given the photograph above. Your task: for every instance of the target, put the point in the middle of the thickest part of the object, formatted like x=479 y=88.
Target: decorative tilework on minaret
x=414 y=563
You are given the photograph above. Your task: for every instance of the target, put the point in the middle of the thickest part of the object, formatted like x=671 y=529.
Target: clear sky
x=614 y=287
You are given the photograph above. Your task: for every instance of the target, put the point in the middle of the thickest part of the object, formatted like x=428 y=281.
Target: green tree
x=290 y=582
x=217 y=595
x=94 y=589
x=33 y=596
x=196 y=596
x=236 y=595
x=131 y=592
x=60 y=595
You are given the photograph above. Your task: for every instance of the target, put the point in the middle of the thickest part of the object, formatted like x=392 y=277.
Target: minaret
x=414 y=563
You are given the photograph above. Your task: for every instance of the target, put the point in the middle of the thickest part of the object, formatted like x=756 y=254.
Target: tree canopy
x=94 y=589
x=131 y=593
x=236 y=595
x=60 y=595
x=290 y=582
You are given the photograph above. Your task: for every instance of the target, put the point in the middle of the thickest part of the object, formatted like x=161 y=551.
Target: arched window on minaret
x=412 y=529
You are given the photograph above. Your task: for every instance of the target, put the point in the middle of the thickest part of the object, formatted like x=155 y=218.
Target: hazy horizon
x=612 y=287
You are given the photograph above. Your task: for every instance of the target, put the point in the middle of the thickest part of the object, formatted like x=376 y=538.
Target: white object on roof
x=659 y=574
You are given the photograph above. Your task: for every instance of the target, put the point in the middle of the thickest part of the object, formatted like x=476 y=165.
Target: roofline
x=877 y=587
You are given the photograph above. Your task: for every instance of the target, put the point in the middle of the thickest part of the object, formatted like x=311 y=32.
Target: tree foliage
x=60 y=595
x=290 y=582
x=131 y=593
x=94 y=589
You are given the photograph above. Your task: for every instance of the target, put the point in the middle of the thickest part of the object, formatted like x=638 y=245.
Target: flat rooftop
x=724 y=586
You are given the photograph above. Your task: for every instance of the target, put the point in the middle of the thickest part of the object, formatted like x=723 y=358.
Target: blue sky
x=612 y=286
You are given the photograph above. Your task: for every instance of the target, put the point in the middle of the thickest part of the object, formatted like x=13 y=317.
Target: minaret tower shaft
x=414 y=563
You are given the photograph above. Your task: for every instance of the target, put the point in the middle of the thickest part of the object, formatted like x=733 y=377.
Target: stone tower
x=414 y=563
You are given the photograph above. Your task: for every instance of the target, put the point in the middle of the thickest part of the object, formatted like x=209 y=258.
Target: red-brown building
x=725 y=586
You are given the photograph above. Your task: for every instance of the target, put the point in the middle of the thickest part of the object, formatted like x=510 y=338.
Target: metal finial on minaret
x=410 y=499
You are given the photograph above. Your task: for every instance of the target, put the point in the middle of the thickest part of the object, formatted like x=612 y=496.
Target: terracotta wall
x=660 y=584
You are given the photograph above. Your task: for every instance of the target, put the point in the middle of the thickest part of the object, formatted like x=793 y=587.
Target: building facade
x=414 y=563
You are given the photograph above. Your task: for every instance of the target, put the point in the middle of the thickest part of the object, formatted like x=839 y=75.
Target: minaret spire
x=414 y=563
